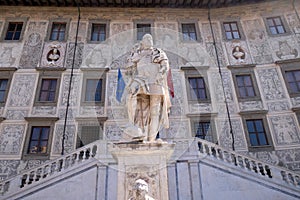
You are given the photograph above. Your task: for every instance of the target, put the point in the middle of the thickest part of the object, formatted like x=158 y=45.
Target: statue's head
x=147 y=41
x=141 y=186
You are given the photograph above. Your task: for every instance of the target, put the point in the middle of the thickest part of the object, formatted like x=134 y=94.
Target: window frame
x=90 y=28
x=197 y=31
x=87 y=121
x=284 y=23
x=47 y=74
x=245 y=70
x=6 y=25
x=286 y=66
x=38 y=122
x=50 y=26
x=239 y=27
x=257 y=115
x=196 y=72
x=207 y=117
x=93 y=74
x=6 y=73
x=142 y=22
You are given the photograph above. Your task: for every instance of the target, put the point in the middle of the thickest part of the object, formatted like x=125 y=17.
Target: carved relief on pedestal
x=285 y=130
x=69 y=138
x=225 y=138
x=147 y=173
x=11 y=138
x=53 y=55
x=9 y=54
x=43 y=110
x=272 y=88
x=32 y=49
x=78 y=55
x=278 y=106
x=251 y=105
x=75 y=88
x=21 y=90
x=98 y=56
x=258 y=43
x=8 y=168
x=238 y=53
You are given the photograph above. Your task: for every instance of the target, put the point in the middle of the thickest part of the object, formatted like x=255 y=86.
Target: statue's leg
x=155 y=109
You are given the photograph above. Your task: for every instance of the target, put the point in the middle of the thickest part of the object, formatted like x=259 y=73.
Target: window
x=14 y=31
x=38 y=137
x=39 y=140
x=291 y=73
x=231 y=30
x=58 y=31
x=293 y=80
x=89 y=134
x=197 y=88
x=143 y=29
x=245 y=83
x=189 y=32
x=275 y=25
x=203 y=127
x=48 y=90
x=98 y=32
x=202 y=130
x=245 y=86
x=256 y=132
x=93 y=90
x=3 y=89
x=5 y=79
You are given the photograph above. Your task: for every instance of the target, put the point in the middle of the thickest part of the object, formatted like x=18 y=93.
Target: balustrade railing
x=250 y=164
x=50 y=168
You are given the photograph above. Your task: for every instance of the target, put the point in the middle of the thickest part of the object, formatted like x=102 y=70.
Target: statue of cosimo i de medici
x=148 y=99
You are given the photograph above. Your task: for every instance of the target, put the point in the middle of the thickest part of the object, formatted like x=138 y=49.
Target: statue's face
x=147 y=41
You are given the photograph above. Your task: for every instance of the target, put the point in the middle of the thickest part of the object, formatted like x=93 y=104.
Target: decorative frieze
x=271 y=85
x=75 y=88
x=251 y=105
x=284 y=48
x=21 y=94
x=278 y=106
x=8 y=168
x=225 y=137
x=92 y=110
x=16 y=114
x=257 y=40
x=9 y=54
x=69 y=138
x=97 y=56
x=285 y=130
x=11 y=137
x=78 y=55
x=43 y=110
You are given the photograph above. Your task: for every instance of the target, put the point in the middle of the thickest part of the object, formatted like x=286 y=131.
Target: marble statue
x=148 y=99
x=141 y=191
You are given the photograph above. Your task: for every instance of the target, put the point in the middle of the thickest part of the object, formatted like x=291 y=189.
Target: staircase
x=96 y=153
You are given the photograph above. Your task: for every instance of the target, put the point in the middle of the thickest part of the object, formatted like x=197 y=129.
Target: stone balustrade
x=94 y=151
x=50 y=168
x=277 y=174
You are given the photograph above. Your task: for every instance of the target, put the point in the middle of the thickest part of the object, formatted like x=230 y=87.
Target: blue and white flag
x=120 y=86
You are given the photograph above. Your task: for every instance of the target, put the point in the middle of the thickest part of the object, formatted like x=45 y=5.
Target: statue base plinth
x=146 y=161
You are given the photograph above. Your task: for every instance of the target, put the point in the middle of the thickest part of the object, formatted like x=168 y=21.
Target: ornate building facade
x=236 y=77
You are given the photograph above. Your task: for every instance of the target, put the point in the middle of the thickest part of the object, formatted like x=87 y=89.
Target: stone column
x=146 y=161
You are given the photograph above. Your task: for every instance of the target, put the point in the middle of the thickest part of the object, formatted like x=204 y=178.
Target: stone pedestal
x=146 y=161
